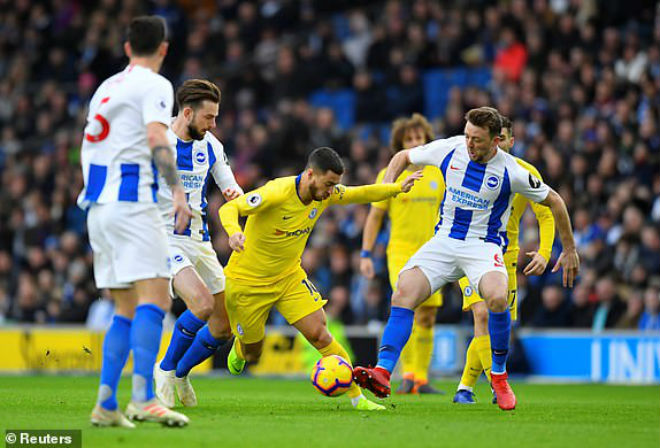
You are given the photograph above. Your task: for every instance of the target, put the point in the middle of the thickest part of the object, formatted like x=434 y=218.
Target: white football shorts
x=129 y=243
x=200 y=256
x=444 y=260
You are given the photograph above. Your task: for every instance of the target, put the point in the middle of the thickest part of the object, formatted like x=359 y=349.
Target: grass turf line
x=249 y=412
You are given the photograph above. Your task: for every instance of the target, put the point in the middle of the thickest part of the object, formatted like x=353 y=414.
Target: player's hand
x=367 y=267
x=409 y=181
x=231 y=193
x=237 y=242
x=569 y=261
x=537 y=265
x=182 y=211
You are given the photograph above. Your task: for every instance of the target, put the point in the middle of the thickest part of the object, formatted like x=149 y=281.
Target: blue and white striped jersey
x=477 y=199
x=196 y=162
x=116 y=159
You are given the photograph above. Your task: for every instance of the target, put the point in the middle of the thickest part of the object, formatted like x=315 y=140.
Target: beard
x=195 y=133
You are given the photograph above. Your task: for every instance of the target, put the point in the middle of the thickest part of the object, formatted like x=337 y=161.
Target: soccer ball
x=332 y=376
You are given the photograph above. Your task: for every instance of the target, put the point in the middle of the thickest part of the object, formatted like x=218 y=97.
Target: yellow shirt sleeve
x=545 y=219
x=249 y=204
x=363 y=194
x=382 y=205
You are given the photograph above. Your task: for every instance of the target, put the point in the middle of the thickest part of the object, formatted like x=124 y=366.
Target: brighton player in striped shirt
x=412 y=220
x=197 y=276
x=478 y=357
x=125 y=142
x=481 y=181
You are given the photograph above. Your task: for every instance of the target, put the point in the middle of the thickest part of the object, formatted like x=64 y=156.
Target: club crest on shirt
x=254 y=199
x=313 y=213
x=492 y=182
x=467 y=292
x=200 y=157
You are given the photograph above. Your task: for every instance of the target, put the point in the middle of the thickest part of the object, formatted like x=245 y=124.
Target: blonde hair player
x=412 y=219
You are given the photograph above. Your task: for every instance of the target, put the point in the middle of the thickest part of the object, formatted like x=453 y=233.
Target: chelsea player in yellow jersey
x=412 y=220
x=478 y=357
x=264 y=270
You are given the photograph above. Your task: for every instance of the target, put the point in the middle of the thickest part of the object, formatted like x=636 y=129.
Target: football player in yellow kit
x=478 y=357
x=412 y=219
x=264 y=270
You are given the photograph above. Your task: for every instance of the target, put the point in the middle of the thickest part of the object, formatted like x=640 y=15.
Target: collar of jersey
x=298 y=178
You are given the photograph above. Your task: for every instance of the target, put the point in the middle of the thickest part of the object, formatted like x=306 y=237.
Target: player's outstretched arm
x=372 y=193
x=164 y=161
x=371 y=229
x=396 y=166
x=539 y=260
x=568 y=259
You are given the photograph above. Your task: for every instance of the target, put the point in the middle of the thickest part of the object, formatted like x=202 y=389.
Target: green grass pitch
x=247 y=412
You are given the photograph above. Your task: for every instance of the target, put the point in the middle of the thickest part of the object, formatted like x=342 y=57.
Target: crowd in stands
x=579 y=78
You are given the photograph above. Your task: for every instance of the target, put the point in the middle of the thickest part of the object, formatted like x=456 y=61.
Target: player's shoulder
x=281 y=185
x=380 y=176
x=527 y=166
x=215 y=145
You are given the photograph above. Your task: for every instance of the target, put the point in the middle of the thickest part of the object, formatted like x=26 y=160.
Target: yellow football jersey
x=279 y=225
x=413 y=216
x=543 y=216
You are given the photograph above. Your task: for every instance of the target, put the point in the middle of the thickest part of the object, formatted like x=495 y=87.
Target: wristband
x=365 y=253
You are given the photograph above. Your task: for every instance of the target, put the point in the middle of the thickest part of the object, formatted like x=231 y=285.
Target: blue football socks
x=145 y=342
x=185 y=329
x=116 y=348
x=499 y=327
x=396 y=334
x=202 y=347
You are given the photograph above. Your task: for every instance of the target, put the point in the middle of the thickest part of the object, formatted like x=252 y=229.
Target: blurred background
x=579 y=78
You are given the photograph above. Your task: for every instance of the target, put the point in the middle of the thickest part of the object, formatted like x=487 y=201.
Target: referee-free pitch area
x=247 y=412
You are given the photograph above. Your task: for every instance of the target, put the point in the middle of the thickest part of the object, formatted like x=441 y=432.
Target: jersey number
x=310 y=287
x=105 y=126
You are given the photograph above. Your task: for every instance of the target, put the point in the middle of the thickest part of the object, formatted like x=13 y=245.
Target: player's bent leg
x=207 y=341
x=116 y=348
x=314 y=328
x=478 y=355
x=240 y=354
x=189 y=286
x=153 y=302
x=423 y=335
x=494 y=289
x=412 y=289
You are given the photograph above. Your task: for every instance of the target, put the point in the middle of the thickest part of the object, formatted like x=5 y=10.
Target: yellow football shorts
x=394 y=266
x=471 y=296
x=248 y=305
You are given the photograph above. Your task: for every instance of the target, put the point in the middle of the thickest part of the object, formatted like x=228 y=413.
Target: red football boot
x=506 y=399
x=376 y=379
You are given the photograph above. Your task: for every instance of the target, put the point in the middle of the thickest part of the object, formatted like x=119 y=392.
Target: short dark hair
x=325 y=159
x=486 y=117
x=193 y=91
x=145 y=34
x=506 y=123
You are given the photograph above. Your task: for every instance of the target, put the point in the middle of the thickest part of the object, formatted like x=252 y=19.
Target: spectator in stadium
x=650 y=319
x=610 y=307
x=555 y=311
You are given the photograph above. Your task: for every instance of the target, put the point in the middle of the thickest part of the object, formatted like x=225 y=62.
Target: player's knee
x=319 y=337
x=203 y=305
x=497 y=301
x=405 y=295
x=480 y=317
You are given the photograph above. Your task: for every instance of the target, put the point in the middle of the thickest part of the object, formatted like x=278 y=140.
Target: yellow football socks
x=423 y=347
x=408 y=355
x=483 y=349
x=472 y=368
x=335 y=348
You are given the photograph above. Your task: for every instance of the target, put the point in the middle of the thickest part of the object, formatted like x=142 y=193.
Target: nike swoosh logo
x=454 y=167
x=286 y=217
